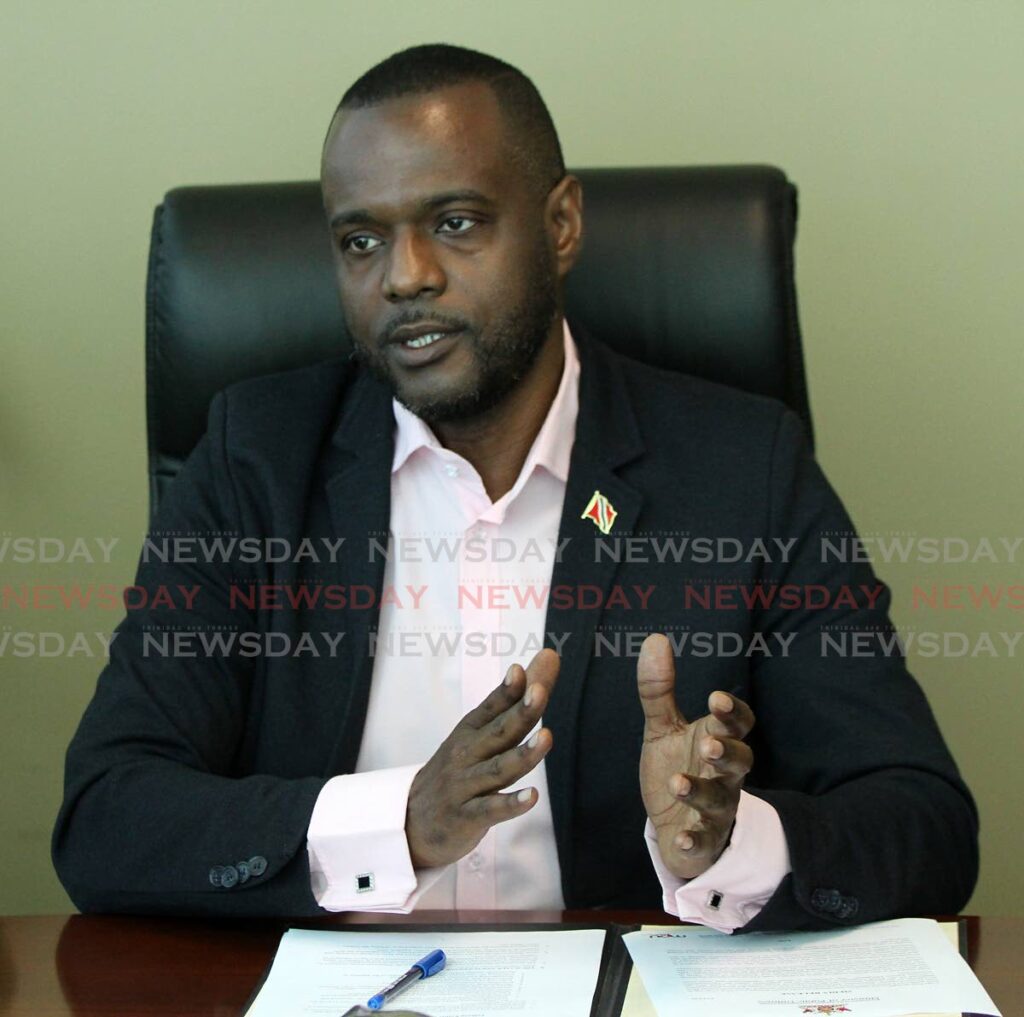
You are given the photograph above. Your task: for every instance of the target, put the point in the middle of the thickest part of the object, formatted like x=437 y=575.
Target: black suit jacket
x=182 y=763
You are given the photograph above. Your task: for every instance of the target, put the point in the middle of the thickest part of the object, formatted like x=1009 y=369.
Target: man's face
x=447 y=275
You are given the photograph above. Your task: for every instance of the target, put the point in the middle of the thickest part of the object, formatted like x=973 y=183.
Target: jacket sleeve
x=155 y=819
x=877 y=820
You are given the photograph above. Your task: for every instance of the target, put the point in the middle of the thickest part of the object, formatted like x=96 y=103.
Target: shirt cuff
x=740 y=883
x=358 y=852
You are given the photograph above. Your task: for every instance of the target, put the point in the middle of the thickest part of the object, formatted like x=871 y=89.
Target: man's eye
x=457 y=224
x=360 y=243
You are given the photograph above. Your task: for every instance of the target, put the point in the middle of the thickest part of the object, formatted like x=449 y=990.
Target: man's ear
x=564 y=218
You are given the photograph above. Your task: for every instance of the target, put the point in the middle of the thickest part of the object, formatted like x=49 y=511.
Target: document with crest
x=884 y=969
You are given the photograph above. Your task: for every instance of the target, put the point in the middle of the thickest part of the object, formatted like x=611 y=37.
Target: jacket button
x=216 y=873
x=229 y=877
x=257 y=865
x=848 y=907
x=819 y=900
x=243 y=871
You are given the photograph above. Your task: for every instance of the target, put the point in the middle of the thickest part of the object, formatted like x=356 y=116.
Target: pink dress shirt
x=465 y=596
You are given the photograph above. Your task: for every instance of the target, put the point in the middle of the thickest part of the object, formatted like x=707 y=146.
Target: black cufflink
x=715 y=900
x=364 y=882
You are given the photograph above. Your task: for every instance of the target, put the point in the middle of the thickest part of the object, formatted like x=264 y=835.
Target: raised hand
x=690 y=773
x=455 y=798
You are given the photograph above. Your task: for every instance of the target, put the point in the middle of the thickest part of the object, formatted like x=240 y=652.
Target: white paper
x=638 y=1004
x=487 y=973
x=884 y=969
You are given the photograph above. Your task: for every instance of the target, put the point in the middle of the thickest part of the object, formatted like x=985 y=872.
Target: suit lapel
x=359 y=500
x=606 y=438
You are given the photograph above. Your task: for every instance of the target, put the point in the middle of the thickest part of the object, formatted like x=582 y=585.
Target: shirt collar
x=551 y=448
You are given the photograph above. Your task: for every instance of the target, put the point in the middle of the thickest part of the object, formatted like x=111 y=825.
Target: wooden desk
x=105 y=965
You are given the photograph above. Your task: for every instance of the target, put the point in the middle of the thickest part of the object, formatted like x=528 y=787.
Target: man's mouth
x=424 y=340
x=418 y=345
x=430 y=331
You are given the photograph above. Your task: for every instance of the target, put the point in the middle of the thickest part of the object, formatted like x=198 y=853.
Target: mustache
x=412 y=317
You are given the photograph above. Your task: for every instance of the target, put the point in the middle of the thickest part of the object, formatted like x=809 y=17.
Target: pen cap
x=361 y=1011
x=432 y=963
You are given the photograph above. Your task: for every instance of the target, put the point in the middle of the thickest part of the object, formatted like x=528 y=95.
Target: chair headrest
x=689 y=268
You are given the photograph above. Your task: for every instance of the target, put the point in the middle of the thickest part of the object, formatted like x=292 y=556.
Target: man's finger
x=512 y=726
x=728 y=717
x=711 y=797
x=507 y=694
x=543 y=669
x=729 y=756
x=507 y=767
x=497 y=808
x=696 y=845
x=656 y=681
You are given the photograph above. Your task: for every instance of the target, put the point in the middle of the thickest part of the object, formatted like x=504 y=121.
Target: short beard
x=517 y=339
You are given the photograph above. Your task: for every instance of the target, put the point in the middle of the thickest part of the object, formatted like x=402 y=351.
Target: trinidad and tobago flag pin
x=600 y=512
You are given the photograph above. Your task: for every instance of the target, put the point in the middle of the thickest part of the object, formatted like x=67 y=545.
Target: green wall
x=898 y=119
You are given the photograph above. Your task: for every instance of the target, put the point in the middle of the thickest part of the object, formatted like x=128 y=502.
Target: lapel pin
x=600 y=512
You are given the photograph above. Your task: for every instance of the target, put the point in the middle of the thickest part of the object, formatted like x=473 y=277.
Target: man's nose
x=412 y=268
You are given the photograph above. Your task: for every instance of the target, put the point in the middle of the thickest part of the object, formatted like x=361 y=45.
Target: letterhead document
x=884 y=969
x=487 y=974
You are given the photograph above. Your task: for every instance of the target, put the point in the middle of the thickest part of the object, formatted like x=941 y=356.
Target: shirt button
x=475 y=861
x=451 y=469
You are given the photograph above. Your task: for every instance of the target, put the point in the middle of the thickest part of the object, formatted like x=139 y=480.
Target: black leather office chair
x=689 y=268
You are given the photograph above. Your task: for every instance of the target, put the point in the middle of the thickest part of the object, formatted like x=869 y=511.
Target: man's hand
x=454 y=799
x=690 y=774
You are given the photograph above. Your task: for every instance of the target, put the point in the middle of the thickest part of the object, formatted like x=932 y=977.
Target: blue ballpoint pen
x=430 y=965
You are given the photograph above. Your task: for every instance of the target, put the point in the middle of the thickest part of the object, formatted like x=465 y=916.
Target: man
x=372 y=779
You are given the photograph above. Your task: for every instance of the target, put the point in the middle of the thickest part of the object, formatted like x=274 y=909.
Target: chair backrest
x=689 y=268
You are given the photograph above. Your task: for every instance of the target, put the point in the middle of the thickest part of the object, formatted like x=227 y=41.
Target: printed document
x=884 y=969
x=488 y=974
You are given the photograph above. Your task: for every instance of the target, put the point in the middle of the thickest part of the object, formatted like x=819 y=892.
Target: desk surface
x=107 y=965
